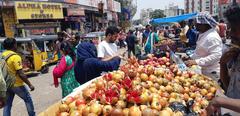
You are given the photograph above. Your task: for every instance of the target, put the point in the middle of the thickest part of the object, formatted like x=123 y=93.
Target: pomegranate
x=117 y=112
x=76 y=113
x=80 y=101
x=96 y=108
x=135 y=111
x=64 y=114
x=147 y=112
x=69 y=100
x=64 y=108
x=107 y=110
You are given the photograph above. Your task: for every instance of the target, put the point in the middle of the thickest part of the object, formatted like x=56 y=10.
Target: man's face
x=113 y=38
x=201 y=27
x=148 y=28
x=235 y=33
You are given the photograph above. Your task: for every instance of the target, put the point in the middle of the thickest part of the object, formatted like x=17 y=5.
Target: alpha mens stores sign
x=38 y=10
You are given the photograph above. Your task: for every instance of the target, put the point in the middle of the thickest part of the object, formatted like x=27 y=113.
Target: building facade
x=173 y=10
x=33 y=17
x=210 y=6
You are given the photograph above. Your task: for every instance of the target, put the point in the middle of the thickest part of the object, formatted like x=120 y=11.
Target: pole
x=2 y=17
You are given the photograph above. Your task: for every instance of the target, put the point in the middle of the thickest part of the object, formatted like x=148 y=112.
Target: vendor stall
x=150 y=87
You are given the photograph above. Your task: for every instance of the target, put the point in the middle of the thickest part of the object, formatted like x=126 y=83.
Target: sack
x=8 y=76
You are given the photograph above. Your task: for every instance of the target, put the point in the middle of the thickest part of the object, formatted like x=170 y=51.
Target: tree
x=129 y=4
x=158 y=13
x=128 y=7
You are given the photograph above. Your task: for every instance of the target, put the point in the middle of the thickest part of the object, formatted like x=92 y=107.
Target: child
x=138 y=49
x=65 y=70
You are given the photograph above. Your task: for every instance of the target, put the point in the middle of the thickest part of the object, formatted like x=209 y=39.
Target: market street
x=44 y=95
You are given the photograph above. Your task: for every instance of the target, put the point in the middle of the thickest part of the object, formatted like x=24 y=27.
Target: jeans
x=23 y=93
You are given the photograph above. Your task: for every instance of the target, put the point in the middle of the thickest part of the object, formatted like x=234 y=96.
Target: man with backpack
x=14 y=63
x=7 y=80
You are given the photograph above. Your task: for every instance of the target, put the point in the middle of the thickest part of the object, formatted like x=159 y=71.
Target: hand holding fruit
x=213 y=107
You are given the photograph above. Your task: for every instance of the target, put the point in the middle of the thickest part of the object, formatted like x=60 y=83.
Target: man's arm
x=222 y=102
x=25 y=79
x=18 y=66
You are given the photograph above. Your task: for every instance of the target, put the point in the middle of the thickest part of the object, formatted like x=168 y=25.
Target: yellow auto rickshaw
x=33 y=60
x=45 y=43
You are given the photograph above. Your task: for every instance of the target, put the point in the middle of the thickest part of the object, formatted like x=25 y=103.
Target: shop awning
x=173 y=19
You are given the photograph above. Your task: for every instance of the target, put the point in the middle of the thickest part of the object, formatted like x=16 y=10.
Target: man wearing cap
x=209 y=46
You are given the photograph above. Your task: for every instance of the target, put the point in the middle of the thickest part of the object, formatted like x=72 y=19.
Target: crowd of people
x=83 y=61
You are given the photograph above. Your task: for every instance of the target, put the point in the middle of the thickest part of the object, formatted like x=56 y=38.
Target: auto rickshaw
x=46 y=45
x=33 y=60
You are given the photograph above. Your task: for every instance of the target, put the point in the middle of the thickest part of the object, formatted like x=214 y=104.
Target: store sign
x=92 y=3
x=71 y=1
x=9 y=21
x=38 y=10
x=75 y=12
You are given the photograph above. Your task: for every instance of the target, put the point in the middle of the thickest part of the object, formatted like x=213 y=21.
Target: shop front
x=74 y=18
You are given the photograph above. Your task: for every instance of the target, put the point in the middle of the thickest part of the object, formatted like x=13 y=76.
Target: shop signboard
x=92 y=3
x=75 y=11
x=38 y=10
x=71 y=1
x=9 y=22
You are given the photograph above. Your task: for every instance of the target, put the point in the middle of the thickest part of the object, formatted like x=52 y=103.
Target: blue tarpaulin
x=173 y=19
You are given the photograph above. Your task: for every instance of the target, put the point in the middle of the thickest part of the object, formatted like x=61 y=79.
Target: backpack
x=8 y=76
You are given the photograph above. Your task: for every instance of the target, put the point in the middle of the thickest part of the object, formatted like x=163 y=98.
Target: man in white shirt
x=107 y=49
x=209 y=46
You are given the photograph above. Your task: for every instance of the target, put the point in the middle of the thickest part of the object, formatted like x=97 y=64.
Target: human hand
x=32 y=88
x=56 y=85
x=2 y=103
x=190 y=63
x=213 y=108
x=226 y=57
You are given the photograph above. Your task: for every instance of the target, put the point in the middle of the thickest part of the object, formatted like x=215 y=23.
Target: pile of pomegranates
x=152 y=87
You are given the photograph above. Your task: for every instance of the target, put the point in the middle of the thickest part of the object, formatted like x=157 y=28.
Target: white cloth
x=185 y=29
x=106 y=49
x=208 y=51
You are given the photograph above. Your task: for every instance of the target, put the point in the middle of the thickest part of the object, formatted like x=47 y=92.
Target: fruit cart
x=154 y=86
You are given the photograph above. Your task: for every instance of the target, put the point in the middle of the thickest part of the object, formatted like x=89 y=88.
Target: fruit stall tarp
x=173 y=19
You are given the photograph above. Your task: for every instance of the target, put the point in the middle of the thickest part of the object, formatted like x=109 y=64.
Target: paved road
x=44 y=95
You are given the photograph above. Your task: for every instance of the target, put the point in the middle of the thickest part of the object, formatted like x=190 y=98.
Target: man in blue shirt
x=146 y=33
x=192 y=35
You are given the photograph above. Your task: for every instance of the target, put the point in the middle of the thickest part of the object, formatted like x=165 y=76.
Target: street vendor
x=209 y=46
x=230 y=67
